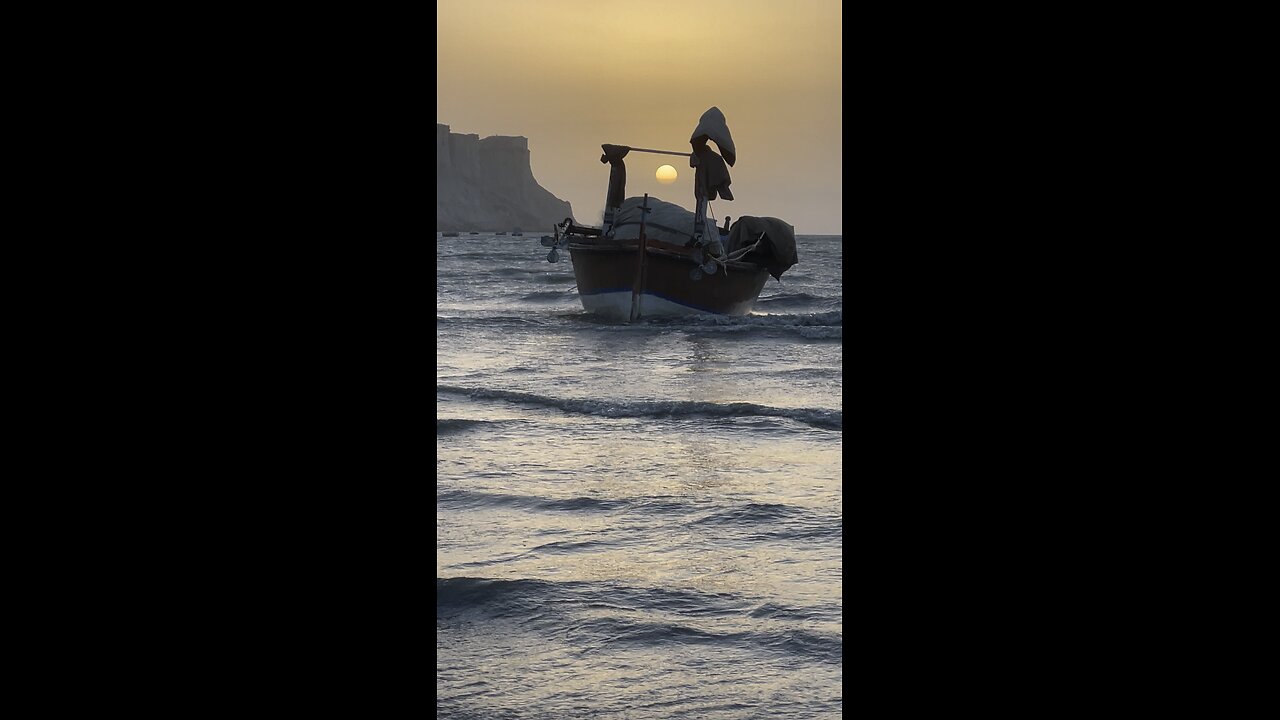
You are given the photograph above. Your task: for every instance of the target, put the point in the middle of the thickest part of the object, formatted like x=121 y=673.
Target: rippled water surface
x=635 y=521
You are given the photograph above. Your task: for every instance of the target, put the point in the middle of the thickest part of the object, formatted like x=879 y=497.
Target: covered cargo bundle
x=772 y=243
x=666 y=221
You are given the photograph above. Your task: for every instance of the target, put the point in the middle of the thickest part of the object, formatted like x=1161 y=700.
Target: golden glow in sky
x=573 y=74
x=666 y=175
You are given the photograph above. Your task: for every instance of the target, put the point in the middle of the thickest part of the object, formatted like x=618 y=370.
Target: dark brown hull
x=606 y=272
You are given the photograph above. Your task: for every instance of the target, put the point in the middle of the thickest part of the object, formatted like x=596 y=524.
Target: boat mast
x=637 y=285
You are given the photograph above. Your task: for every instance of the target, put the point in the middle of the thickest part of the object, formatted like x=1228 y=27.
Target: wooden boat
x=677 y=263
x=614 y=281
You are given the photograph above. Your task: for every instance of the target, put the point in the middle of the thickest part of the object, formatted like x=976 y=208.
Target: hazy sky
x=572 y=74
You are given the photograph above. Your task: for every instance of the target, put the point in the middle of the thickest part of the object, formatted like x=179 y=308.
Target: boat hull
x=606 y=274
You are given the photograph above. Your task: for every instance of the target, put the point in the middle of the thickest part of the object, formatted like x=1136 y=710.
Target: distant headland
x=488 y=185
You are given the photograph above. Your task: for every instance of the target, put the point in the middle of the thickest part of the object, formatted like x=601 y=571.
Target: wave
x=614 y=631
x=489 y=320
x=611 y=614
x=650 y=506
x=815 y=326
x=445 y=710
x=777 y=611
x=754 y=513
x=514 y=272
x=795 y=299
x=772 y=522
x=448 y=426
x=493 y=256
x=496 y=598
x=466 y=592
x=466 y=498
x=558 y=547
x=810 y=326
x=555 y=279
x=510 y=277
x=551 y=548
x=821 y=333
x=805 y=373
x=815 y=417
x=830 y=318
x=549 y=295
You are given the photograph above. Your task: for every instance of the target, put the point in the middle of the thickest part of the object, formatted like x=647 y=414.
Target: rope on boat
x=743 y=251
x=721 y=261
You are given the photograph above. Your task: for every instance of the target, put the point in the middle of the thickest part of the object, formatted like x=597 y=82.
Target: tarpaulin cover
x=777 y=249
x=666 y=221
x=712 y=126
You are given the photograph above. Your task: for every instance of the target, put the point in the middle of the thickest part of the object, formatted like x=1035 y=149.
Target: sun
x=666 y=175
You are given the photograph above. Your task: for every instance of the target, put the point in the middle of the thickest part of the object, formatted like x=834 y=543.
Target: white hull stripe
x=618 y=303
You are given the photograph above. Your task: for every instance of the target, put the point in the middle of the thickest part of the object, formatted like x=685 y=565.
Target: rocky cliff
x=488 y=185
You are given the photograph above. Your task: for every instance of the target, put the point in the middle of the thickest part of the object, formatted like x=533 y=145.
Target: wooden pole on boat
x=662 y=152
x=638 y=284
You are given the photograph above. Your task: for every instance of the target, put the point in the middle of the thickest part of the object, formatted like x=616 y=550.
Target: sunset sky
x=572 y=74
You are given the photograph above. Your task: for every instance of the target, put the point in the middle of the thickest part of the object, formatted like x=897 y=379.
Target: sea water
x=635 y=520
